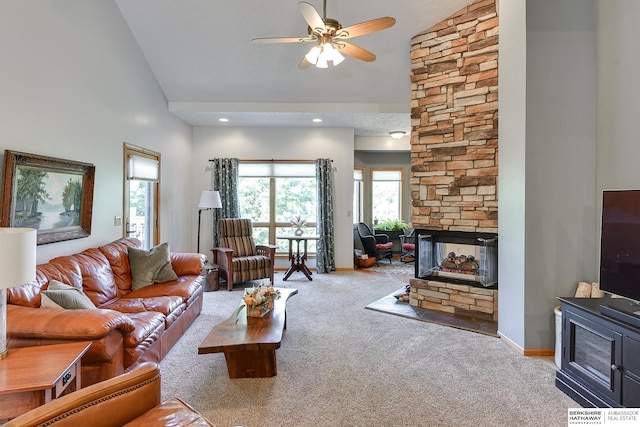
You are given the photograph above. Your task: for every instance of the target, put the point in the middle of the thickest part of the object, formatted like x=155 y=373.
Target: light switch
x=117 y=221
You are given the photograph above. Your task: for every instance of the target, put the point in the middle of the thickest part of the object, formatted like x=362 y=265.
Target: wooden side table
x=298 y=258
x=211 y=277
x=33 y=376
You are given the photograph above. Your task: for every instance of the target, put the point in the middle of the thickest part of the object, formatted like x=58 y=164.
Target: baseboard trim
x=539 y=352
x=535 y=352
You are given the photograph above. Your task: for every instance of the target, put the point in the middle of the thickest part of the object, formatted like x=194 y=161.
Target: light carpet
x=343 y=365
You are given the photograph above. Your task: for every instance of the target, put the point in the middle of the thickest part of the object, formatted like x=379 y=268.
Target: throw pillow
x=64 y=296
x=46 y=302
x=152 y=266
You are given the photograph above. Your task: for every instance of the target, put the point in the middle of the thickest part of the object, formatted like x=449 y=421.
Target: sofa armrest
x=113 y=402
x=185 y=264
x=57 y=324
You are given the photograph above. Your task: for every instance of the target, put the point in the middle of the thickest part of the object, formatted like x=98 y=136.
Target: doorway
x=141 y=195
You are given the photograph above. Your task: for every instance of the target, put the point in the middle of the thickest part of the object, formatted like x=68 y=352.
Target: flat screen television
x=620 y=245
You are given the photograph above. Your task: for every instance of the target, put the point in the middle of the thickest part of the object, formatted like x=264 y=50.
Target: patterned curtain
x=325 y=261
x=224 y=178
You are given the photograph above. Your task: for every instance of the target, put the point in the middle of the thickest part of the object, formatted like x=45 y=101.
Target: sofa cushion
x=118 y=255
x=97 y=277
x=152 y=266
x=149 y=327
x=171 y=412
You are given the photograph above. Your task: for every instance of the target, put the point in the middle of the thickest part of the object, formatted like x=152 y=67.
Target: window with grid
x=358 y=195
x=272 y=194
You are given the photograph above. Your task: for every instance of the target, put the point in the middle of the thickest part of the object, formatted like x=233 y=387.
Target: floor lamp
x=18 y=266
x=208 y=200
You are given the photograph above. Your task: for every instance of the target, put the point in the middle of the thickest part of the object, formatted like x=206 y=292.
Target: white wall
x=547 y=162
x=512 y=75
x=279 y=143
x=618 y=148
x=75 y=85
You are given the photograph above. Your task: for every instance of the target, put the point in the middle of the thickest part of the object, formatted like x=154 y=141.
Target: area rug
x=391 y=305
x=394 y=267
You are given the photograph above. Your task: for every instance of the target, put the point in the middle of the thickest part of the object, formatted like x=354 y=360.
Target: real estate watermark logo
x=619 y=417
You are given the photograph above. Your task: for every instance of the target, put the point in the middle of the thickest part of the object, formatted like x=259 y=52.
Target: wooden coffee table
x=33 y=376
x=249 y=344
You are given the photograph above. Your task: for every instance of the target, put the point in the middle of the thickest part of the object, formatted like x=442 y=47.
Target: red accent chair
x=407 y=242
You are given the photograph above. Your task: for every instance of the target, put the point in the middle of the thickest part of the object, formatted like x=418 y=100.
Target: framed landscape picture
x=54 y=196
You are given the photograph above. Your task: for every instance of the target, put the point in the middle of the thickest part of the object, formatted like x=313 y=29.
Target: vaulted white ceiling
x=207 y=66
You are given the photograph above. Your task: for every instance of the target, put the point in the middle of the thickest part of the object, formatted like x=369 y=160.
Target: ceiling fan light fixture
x=336 y=57
x=322 y=61
x=397 y=134
x=312 y=55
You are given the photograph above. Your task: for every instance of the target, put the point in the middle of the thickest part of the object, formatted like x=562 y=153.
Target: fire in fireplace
x=467 y=258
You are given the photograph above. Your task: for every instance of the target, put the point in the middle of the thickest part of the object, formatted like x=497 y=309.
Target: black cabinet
x=600 y=355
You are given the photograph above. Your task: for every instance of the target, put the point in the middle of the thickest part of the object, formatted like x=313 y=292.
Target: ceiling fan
x=330 y=37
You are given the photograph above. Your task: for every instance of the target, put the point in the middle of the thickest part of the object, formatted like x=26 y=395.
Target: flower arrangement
x=259 y=299
x=298 y=223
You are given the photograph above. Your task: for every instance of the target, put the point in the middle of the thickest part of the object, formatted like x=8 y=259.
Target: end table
x=211 y=277
x=33 y=376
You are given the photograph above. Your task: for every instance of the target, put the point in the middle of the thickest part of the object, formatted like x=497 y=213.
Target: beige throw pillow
x=152 y=266
x=64 y=296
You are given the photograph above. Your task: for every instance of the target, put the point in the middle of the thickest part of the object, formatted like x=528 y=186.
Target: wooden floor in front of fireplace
x=391 y=305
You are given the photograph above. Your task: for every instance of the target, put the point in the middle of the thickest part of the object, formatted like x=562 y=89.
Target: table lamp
x=18 y=266
x=208 y=200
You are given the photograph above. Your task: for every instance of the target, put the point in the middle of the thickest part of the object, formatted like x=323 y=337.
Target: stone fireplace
x=454 y=159
x=456 y=272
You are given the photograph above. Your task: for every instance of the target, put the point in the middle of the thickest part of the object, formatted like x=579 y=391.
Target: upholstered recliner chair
x=377 y=246
x=239 y=259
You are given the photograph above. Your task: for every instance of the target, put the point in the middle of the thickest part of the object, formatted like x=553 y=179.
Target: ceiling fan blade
x=283 y=40
x=304 y=63
x=366 y=27
x=356 y=52
x=312 y=16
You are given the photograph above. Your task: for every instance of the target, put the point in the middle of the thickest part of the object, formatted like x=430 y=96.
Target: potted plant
x=390 y=225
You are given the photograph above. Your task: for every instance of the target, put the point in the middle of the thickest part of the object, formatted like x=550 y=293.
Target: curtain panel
x=224 y=178
x=325 y=256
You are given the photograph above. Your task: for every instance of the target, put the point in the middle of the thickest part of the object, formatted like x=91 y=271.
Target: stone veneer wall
x=465 y=300
x=454 y=113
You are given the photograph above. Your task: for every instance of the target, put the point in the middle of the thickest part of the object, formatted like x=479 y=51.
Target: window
x=358 y=195
x=272 y=194
x=386 y=194
x=142 y=192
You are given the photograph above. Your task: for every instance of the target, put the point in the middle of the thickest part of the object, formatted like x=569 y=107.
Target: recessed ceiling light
x=317 y=120
x=222 y=119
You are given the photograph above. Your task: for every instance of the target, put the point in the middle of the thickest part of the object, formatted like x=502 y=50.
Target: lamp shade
x=17 y=256
x=210 y=199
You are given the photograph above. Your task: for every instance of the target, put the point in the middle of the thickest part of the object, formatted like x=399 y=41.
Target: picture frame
x=44 y=193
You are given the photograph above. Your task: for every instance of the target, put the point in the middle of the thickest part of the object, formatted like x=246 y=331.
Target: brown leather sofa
x=131 y=399
x=127 y=327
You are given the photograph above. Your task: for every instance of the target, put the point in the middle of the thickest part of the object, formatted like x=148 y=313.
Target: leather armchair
x=239 y=259
x=377 y=246
x=132 y=398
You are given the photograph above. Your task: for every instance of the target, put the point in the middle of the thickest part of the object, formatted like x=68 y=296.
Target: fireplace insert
x=466 y=258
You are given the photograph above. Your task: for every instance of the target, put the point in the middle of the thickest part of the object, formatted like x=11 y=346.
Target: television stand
x=623 y=310
x=600 y=365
